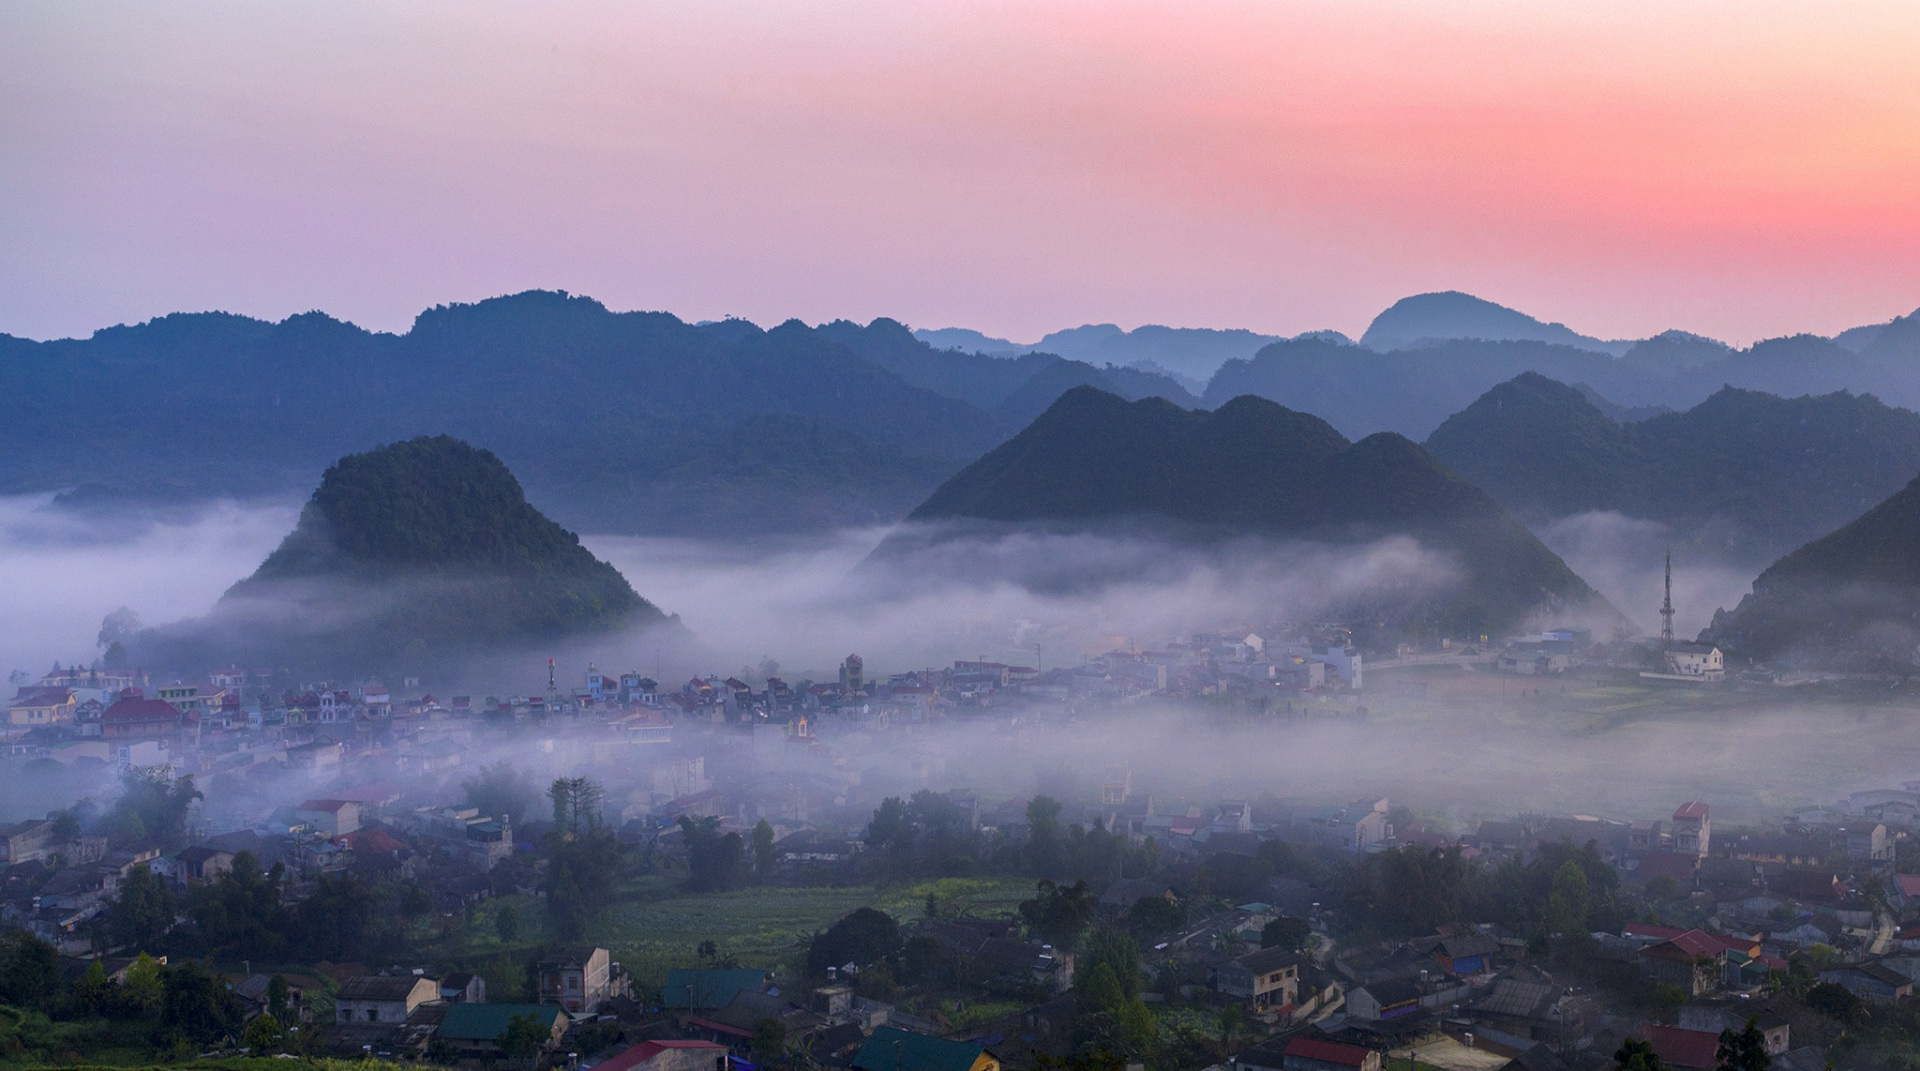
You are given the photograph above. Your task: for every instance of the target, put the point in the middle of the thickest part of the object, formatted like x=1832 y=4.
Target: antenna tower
x=1666 y=608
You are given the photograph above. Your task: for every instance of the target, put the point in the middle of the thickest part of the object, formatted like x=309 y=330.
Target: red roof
x=372 y=841
x=1329 y=1052
x=137 y=709
x=323 y=805
x=1693 y=809
x=647 y=1050
x=1909 y=884
x=1684 y=1048
x=1692 y=942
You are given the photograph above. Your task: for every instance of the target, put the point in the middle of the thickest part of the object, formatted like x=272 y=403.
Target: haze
x=1740 y=170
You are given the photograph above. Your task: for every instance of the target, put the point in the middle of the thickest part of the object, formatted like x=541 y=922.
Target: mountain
x=598 y=412
x=1426 y=318
x=1747 y=472
x=1849 y=599
x=1194 y=352
x=418 y=552
x=1254 y=468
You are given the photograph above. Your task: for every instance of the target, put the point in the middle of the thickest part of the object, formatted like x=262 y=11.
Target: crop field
x=771 y=926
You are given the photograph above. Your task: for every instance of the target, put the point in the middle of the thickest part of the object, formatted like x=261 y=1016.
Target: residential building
x=39 y=706
x=330 y=817
x=374 y=998
x=26 y=842
x=891 y=1049
x=579 y=979
x=475 y=1029
x=1872 y=982
x=668 y=1056
x=1692 y=829
x=1267 y=978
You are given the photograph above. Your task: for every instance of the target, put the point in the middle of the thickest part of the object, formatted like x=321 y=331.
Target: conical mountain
x=422 y=551
x=1849 y=598
x=1255 y=468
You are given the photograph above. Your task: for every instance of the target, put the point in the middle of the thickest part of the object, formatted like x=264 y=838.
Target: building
x=1682 y=1049
x=1734 y=1015
x=703 y=989
x=1867 y=841
x=133 y=717
x=1269 y=978
x=26 y=842
x=580 y=979
x=1692 y=829
x=374 y=998
x=891 y=1049
x=1872 y=982
x=475 y=1029
x=330 y=817
x=668 y=1056
x=38 y=706
x=1700 y=661
x=202 y=863
x=1319 y=1054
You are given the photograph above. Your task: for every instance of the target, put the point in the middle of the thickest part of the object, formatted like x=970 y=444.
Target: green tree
x=862 y=937
x=1230 y=1019
x=1151 y=917
x=277 y=994
x=29 y=971
x=1567 y=907
x=264 y=1035
x=1286 y=932
x=713 y=858
x=1058 y=913
x=93 y=992
x=143 y=912
x=764 y=859
x=769 y=1040
x=1118 y=952
x=1744 y=1051
x=500 y=789
x=1637 y=1055
x=523 y=1036
x=241 y=912
x=506 y=923
x=196 y=1006
x=144 y=988
x=1836 y=1002
x=153 y=805
x=1044 y=850
x=576 y=803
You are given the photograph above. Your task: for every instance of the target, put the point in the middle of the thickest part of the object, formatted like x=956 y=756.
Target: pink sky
x=1742 y=169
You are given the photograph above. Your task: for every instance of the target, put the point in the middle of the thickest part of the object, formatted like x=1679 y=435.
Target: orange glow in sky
x=1738 y=169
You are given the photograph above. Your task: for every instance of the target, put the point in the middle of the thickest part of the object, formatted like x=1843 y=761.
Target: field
x=655 y=928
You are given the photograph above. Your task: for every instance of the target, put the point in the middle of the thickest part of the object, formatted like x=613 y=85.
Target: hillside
x=1254 y=468
x=1450 y=314
x=419 y=552
x=1749 y=473
x=1849 y=599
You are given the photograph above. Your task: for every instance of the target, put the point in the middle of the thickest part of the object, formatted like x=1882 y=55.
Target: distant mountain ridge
x=418 y=552
x=1254 y=468
x=1747 y=473
x=1450 y=315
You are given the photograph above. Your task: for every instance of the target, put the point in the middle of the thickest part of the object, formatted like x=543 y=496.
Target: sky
x=1741 y=169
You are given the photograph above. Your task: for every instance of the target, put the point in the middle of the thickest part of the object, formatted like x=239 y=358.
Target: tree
x=1836 y=1002
x=764 y=859
x=143 y=912
x=1117 y=951
x=144 y=989
x=29 y=971
x=1043 y=835
x=1057 y=913
x=523 y=1036
x=576 y=803
x=197 y=1007
x=862 y=937
x=263 y=1035
x=713 y=859
x=1230 y=1017
x=769 y=1040
x=500 y=789
x=581 y=877
x=277 y=996
x=1637 y=1055
x=241 y=913
x=93 y=992
x=1286 y=932
x=1153 y=916
x=1744 y=1051
x=1566 y=908
x=506 y=923
x=153 y=805
x=339 y=918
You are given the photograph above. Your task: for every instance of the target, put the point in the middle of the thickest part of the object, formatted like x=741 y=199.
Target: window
x=373 y=1015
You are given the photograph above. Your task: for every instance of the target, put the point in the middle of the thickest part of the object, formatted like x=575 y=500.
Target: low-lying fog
x=802 y=605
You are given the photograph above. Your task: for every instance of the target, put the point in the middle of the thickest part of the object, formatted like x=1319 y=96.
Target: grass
x=771 y=926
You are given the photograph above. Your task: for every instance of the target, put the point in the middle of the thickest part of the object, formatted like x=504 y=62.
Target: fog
x=1623 y=557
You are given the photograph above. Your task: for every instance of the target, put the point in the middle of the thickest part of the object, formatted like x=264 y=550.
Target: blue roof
x=697 y=988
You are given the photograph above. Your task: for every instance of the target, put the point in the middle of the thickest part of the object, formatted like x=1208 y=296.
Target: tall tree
x=500 y=789
x=1744 y=1051
x=1044 y=849
x=143 y=912
x=764 y=859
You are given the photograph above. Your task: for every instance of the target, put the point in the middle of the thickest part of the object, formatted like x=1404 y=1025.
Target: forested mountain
x=1425 y=318
x=1254 y=468
x=1192 y=352
x=1744 y=472
x=415 y=553
x=1849 y=599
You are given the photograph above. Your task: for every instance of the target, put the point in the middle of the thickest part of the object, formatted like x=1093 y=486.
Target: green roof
x=486 y=1022
x=893 y=1049
x=695 y=988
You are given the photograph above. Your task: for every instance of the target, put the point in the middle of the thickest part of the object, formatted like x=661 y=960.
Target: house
x=476 y=1028
x=1305 y=1053
x=1873 y=982
x=1026 y=961
x=668 y=1056
x=330 y=817
x=1528 y=1003
x=1692 y=829
x=1683 y=1049
x=1123 y=894
x=1267 y=978
x=1867 y=841
x=891 y=1049
x=704 y=989
x=35 y=707
x=463 y=988
x=580 y=979
x=26 y=842
x=376 y=998
x=1715 y=1016
x=1469 y=954
x=1387 y=999
x=134 y=717
x=1697 y=661
x=202 y=863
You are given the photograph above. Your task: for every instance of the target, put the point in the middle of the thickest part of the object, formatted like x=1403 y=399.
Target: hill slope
x=1748 y=472
x=1850 y=598
x=1254 y=468
x=1453 y=315
x=420 y=552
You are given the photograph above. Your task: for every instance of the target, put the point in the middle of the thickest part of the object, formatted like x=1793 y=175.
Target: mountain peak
x=1451 y=314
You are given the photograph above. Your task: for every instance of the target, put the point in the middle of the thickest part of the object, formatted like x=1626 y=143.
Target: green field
x=656 y=928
